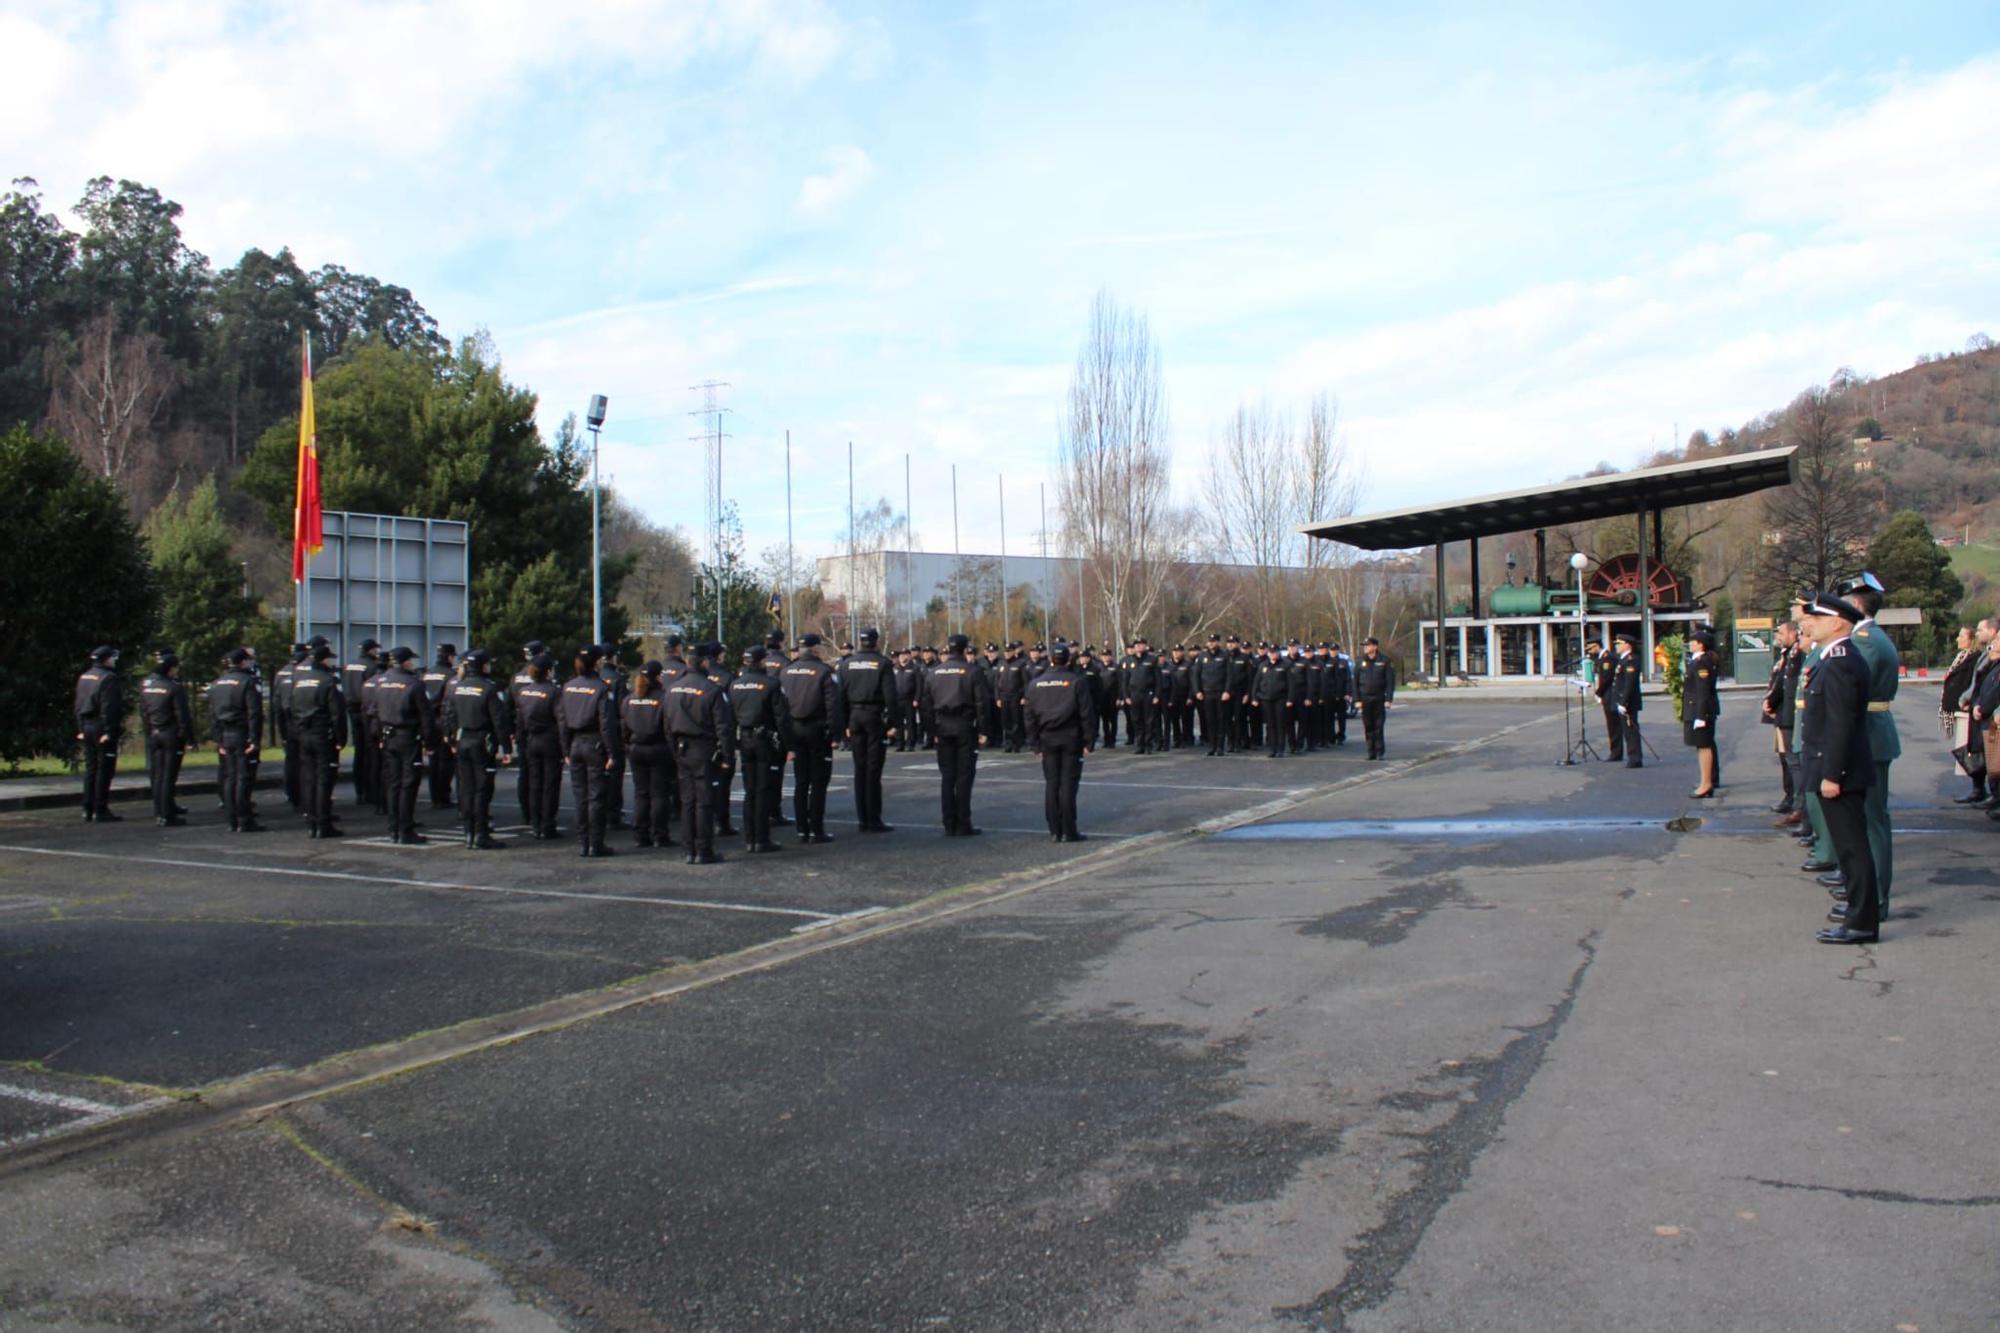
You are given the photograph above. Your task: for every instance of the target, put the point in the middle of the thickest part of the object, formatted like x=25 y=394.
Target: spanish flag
x=308 y=525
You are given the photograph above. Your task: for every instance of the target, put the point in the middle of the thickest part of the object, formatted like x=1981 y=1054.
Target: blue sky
x=1510 y=243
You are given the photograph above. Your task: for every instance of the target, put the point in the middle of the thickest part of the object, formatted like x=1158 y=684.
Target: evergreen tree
x=203 y=611
x=1917 y=572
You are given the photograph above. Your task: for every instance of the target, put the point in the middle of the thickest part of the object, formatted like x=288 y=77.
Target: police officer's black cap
x=403 y=653
x=957 y=643
x=369 y=645
x=607 y=650
x=775 y=639
x=317 y=641
x=1826 y=604
x=589 y=655
x=236 y=657
x=653 y=669
x=755 y=655
x=1041 y=648
x=992 y=647
x=810 y=640
x=169 y=658
x=534 y=648
x=1371 y=639
x=102 y=651
x=871 y=635
x=1626 y=636
x=447 y=650
x=298 y=647
x=1213 y=637
x=545 y=659
x=1059 y=654
x=323 y=652
x=477 y=657
x=675 y=641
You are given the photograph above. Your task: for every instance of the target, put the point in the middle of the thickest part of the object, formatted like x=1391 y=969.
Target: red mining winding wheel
x=1621 y=574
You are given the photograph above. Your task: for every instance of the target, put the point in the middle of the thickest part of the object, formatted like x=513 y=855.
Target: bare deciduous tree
x=110 y=399
x=1817 y=527
x=1112 y=468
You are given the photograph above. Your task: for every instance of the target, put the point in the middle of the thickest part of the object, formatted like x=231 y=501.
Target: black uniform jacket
x=1833 y=742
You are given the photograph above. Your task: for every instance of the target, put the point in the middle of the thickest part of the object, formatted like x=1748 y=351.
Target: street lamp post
x=595 y=420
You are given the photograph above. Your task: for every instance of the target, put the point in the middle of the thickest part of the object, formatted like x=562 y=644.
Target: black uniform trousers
x=163 y=768
x=295 y=791
x=655 y=778
x=442 y=770
x=1339 y=710
x=1634 y=757
x=238 y=774
x=1062 y=772
x=811 y=772
x=402 y=768
x=1139 y=722
x=477 y=760
x=757 y=753
x=1373 y=712
x=1847 y=824
x=541 y=780
x=866 y=724
x=381 y=776
x=100 y=761
x=1614 y=729
x=590 y=786
x=1013 y=724
x=1213 y=725
x=319 y=766
x=1277 y=724
x=958 y=762
x=695 y=756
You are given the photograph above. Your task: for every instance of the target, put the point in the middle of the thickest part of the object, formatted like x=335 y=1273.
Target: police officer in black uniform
x=1837 y=762
x=1138 y=693
x=100 y=725
x=763 y=735
x=537 y=700
x=1009 y=680
x=649 y=753
x=1625 y=698
x=439 y=679
x=1062 y=722
x=1211 y=693
x=1375 y=690
x=703 y=730
x=319 y=721
x=354 y=678
x=1340 y=674
x=281 y=721
x=481 y=737
x=592 y=745
x=957 y=694
x=236 y=720
x=1604 y=675
x=408 y=729
x=529 y=652
x=163 y=707
x=909 y=679
x=818 y=713
x=874 y=716
x=1271 y=698
x=614 y=676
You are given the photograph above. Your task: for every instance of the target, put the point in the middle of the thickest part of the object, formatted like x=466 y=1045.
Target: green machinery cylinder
x=1519 y=600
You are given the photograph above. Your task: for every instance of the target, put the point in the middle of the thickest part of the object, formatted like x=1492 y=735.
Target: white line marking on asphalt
x=844 y=916
x=108 y=1114
x=1089 y=782
x=301 y=873
x=81 y=1105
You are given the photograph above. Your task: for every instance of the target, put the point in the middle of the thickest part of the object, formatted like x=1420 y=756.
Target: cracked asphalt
x=1438 y=1044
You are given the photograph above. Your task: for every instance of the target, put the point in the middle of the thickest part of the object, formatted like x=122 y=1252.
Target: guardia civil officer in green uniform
x=1885 y=667
x=1815 y=835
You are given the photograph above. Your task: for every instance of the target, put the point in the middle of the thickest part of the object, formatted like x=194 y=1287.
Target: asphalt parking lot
x=1463 y=1040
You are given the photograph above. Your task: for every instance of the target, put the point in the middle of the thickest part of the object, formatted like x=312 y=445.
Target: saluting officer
x=873 y=717
x=475 y=719
x=1375 y=690
x=100 y=724
x=592 y=745
x=1062 y=722
x=163 y=706
x=818 y=715
x=439 y=680
x=763 y=734
x=957 y=694
x=319 y=720
x=537 y=702
x=702 y=727
x=236 y=719
x=650 y=754
x=404 y=720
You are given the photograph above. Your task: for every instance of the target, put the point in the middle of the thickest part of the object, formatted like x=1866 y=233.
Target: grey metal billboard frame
x=400 y=581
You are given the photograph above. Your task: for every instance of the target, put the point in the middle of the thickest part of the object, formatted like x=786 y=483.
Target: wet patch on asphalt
x=1389 y=918
x=1406 y=829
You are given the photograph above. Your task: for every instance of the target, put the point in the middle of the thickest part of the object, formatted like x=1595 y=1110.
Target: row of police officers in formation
x=685 y=726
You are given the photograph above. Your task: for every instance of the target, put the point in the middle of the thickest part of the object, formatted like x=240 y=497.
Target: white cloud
x=848 y=170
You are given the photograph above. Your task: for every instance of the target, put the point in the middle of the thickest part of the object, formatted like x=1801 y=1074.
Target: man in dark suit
x=1835 y=761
